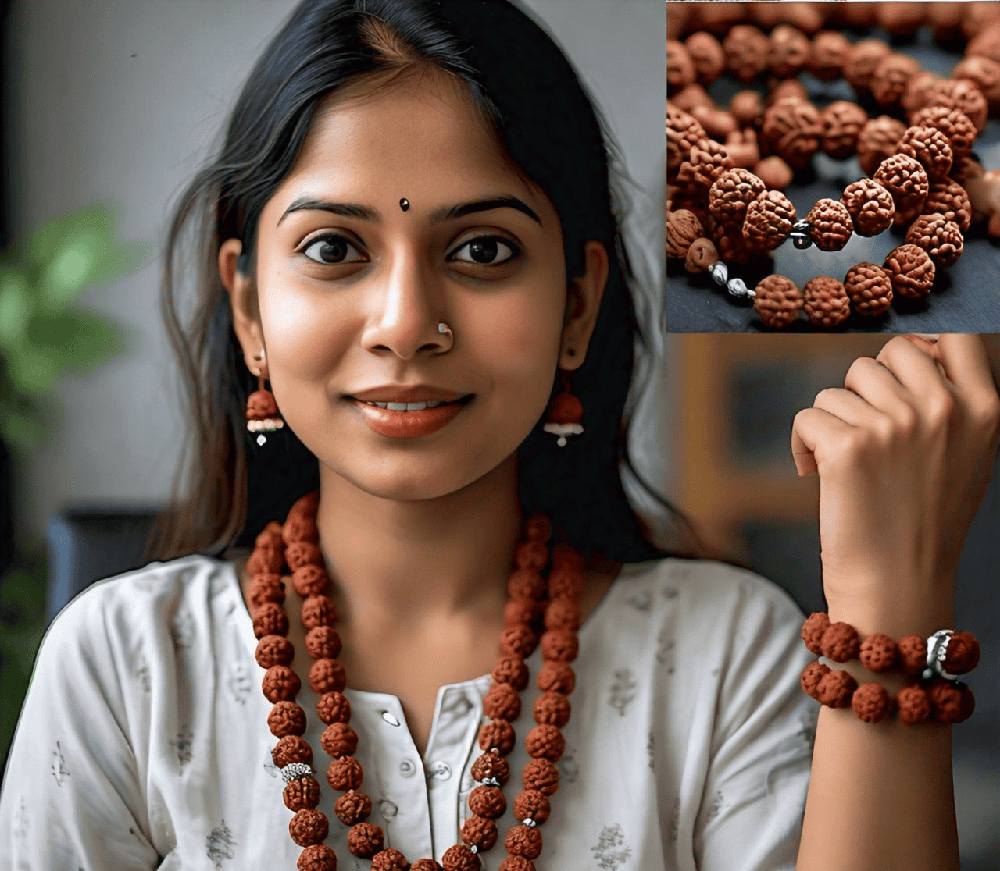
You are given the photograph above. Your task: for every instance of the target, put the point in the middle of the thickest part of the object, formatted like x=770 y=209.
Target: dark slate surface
x=965 y=298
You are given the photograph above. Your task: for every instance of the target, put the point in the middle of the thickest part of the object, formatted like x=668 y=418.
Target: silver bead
x=720 y=273
x=937 y=650
x=530 y=823
x=295 y=771
x=490 y=781
x=737 y=287
x=800 y=235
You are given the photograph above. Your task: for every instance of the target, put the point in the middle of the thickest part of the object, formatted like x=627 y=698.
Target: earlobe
x=243 y=302
x=583 y=302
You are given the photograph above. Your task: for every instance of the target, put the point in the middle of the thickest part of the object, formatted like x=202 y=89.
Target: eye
x=331 y=249
x=485 y=251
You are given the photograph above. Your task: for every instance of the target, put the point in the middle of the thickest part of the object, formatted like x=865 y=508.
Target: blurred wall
x=121 y=99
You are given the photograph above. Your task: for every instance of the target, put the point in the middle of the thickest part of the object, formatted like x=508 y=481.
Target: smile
x=406 y=406
x=410 y=420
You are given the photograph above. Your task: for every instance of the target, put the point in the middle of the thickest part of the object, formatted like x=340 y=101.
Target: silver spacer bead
x=737 y=287
x=473 y=848
x=490 y=781
x=295 y=771
x=720 y=273
x=530 y=823
x=937 y=650
x=800 y=235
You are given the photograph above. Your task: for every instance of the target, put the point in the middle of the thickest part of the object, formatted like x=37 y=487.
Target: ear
x=583 y=302
x=243 y=301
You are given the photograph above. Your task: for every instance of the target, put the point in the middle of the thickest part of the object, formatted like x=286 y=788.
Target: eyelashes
x=486 y=250
x=333 y=249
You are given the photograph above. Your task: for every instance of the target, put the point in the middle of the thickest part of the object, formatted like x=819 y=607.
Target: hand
x=903 y=452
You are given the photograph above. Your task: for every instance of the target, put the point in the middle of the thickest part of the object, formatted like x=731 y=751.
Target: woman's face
x=401 y=214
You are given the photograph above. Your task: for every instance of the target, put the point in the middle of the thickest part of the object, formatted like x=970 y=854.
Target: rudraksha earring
x=565 y=413
x=263 y=417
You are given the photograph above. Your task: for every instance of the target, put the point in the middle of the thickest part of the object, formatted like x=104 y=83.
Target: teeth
x=405 y=406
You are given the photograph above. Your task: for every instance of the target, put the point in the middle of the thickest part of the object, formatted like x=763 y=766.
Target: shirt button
x=463 y=706
x=407 y=768
x=389 y=718
x=388 y=809
x=440 y=771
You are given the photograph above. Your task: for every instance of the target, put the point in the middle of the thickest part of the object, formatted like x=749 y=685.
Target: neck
x=426 y=559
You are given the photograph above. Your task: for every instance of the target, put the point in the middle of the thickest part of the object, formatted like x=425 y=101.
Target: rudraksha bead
x=708 y=160
x=793 y=130
x=840 y=642
x=730 y=244
x=984 y=73
x=830 y=225
x=878 y=653
x=768 y=221
x=556 y=676
x=286 y=718
x=301 y=793
x=560 y=646
x=270 y=536
x=267 y=560
x=502 y=702
x=913 y=704
x=774 y=172
x=777 y=301
x=911 y=271
x=425 y=865
x=962 y=654
x=318 y=857
x=785 y=89
x=302 y=553
x=563 y=614
x=487 y=801
x=511 y=670
x=683 y=133
x=491 y=765
x=811 y=677
x=266 y=588
x=829 y=54
x=518 y=641
x=730 y=195
x=948 y=198
x=707 y=56
x=516 y=863
x=930 y=147
x=480 y=832
x=531 y=555
x=311 y=580
x=333 y=707
x=274 y=650
x=747 y=108
x=789 y=51
x=953 y=123
x=919 y=92
x=291 y=748
x=353 y=807
x=326 y=676
x=986 y=40
x=682 y=229
x=459 y=857
x=345 y=773
x=812 y=631
x=545 y=742
x=524 y=841
x=323 y=642
x=961 y=94
x=905 y=179
x=565 y=583
x=825 y=301
x=870 y=206
x=869 y=289
x=842 y=122
x=892 y=75
x=364 y=840
x=532 y=805
x=538 y=527
x=308 y=827
x=938 y=236
x=552 y=708
x=280 y=684
x=317 y=611
x=526 y=583
x=540 y=774
x=901 y=19
x=300 y=528
x=339 y=739
x=861 y=62
x=911 y=651
x=523 y=610
x=746 y=50
x=498 y=735
x=680 y=69
x=871 y=703
x=389 y=860
x=950 y=702
x=270 y=619
x=877 y=141
x=836 y=688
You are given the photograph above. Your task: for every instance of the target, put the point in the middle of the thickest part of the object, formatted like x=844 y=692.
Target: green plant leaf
x=76 y=340
x=21 y=431
x=47 y=240
x=32 y=371
x=15 y=306
x=122 y=259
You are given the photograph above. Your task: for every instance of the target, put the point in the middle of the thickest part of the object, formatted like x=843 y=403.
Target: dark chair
x=87 y=544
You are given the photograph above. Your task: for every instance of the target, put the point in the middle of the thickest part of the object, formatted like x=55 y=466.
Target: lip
x=417 y=393
x=408 y=424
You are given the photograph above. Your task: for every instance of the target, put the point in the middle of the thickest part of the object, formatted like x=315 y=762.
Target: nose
x=405 y=320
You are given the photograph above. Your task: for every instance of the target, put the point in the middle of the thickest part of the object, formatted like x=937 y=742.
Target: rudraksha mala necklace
x=932 y=693
x=725 y=204
x=539 y=610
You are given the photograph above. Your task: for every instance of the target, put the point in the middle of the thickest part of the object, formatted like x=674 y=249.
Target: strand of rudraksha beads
x=296 y=545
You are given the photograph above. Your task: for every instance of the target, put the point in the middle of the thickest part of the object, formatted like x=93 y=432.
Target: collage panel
x=836 y=167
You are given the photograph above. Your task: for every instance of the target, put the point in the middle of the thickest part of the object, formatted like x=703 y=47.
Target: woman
x=409 y=236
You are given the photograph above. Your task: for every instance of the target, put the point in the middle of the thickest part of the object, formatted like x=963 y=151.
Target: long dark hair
x=531 y=97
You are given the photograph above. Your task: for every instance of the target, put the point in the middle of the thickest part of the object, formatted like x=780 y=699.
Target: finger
x=966 y=363
x=915 y=364
x=811 y=430
x=879 y=386
x=847 y=405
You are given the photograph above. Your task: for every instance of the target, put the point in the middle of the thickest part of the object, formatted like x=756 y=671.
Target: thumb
x=803 y=445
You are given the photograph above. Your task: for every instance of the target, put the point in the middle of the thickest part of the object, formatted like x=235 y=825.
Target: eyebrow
x=447 y=213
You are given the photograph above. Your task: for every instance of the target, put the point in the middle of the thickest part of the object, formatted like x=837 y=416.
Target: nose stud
x=404 y=204
x=445 y=330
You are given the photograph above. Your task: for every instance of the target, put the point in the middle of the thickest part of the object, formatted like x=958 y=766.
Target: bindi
x=404 y=204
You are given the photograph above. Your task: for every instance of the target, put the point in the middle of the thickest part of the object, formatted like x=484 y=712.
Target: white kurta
x=143 y=741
